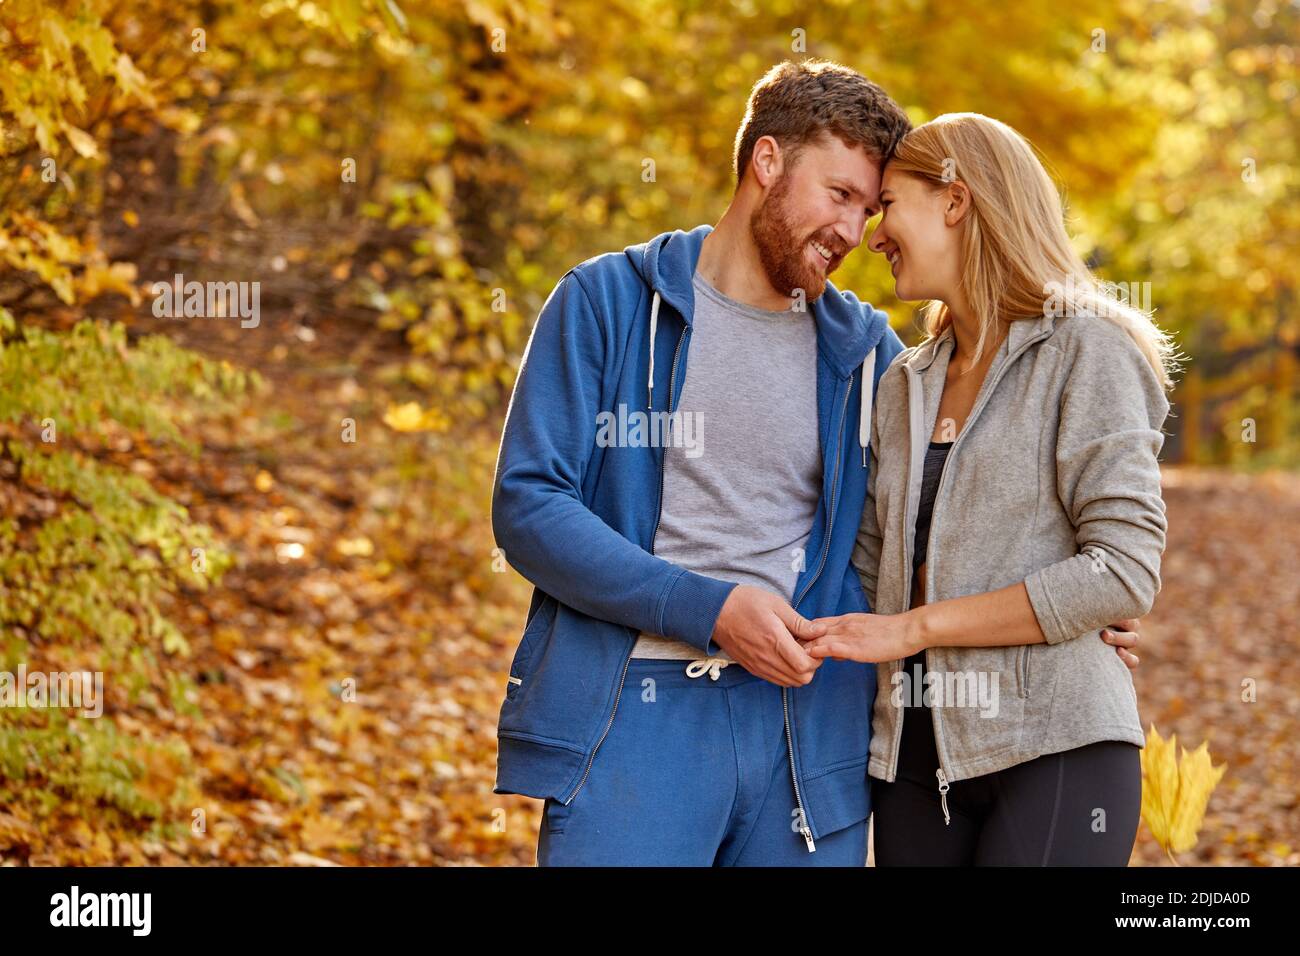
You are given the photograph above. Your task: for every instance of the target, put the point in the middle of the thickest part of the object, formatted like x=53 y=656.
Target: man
x=682 y=475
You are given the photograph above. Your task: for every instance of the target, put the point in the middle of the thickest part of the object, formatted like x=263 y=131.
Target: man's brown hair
x=795 y=103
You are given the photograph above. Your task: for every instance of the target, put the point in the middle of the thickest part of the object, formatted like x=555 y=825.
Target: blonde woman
x=1013 y=512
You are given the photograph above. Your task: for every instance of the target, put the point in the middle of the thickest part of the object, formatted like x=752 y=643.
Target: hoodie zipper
x=804 y=828
x=984 y=399
x=672 y=384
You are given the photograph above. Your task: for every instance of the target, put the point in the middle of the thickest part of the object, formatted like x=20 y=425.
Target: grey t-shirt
x=739 y=505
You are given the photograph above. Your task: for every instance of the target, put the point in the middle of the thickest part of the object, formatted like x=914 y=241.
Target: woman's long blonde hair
x=1016 y=254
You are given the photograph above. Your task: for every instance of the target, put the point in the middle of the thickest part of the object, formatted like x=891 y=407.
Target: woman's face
x=915 y=235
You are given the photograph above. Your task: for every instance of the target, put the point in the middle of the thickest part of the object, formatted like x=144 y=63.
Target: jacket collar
x=1020 y=332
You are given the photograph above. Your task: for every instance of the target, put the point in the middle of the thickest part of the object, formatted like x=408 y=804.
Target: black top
x=935 y=456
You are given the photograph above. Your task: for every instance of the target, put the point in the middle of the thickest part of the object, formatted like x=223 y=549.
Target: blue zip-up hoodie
x=578 y=521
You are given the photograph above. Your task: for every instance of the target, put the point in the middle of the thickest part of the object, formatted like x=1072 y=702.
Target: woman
x=1013 y=511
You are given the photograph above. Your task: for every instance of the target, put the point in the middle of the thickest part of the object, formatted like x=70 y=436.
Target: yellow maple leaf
x=403 y=418
x=81 y=141
x=1175 y=792
x=120 y=277
x=411 y=418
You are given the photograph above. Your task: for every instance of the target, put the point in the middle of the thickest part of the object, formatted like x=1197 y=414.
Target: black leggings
x=1075 y=808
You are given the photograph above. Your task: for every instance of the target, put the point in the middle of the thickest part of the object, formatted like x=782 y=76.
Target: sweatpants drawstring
x=707 y=665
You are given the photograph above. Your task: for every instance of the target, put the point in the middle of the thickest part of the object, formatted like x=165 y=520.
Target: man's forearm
x=562 y=547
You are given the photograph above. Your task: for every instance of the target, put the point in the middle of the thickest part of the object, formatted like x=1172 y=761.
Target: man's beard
x=783 y=252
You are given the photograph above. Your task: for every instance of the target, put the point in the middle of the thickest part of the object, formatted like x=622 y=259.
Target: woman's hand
x=1123 y=636
x=873 y=638
x=868 y=638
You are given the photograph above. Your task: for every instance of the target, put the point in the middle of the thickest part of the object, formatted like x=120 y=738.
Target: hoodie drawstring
x=864 y=420
x=654 y=327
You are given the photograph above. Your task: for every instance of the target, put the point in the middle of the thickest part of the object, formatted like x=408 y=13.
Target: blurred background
x=272 y=536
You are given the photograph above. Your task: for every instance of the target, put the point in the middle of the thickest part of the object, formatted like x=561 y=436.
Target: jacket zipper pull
x=943 y=794
x=807 y=838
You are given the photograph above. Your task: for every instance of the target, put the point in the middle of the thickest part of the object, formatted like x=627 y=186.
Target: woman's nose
x=878 y=239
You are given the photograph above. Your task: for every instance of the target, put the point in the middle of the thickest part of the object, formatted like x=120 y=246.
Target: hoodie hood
x=848 y=330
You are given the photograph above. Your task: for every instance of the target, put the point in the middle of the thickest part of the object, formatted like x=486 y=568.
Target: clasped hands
x=767 y=637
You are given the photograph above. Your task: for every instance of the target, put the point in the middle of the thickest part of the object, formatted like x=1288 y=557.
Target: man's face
x=815 y=214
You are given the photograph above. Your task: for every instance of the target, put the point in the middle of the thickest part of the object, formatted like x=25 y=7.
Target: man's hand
x=1122 y=636
x=758 y=631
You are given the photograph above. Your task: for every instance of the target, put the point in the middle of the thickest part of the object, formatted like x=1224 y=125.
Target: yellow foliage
x=1176 y=792
x=411 y=418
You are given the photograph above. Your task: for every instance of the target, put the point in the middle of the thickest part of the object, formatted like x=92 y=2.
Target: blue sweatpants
x=693 y=772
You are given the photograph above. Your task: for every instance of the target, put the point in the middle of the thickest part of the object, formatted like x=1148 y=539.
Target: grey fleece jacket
x=1053 y=481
